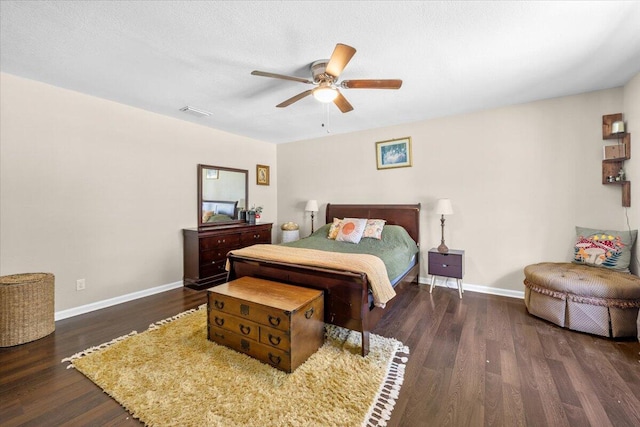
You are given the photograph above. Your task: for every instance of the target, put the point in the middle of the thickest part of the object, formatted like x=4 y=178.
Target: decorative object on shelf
x=443 y=207
x=262 y=174
x=394 y=153
x=613 y=127
x=312 y=206
x=617 y=127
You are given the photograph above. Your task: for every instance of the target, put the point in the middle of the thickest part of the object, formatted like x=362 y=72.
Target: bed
x=348 y=301
x=219 y=210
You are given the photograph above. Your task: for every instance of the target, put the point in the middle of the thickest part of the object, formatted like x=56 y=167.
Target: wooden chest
x=279 y=324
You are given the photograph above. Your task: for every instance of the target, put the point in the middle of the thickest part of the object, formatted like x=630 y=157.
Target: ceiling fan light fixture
x=325 y=93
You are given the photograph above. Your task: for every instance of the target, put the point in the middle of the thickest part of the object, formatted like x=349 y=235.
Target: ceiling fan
x=325 y=74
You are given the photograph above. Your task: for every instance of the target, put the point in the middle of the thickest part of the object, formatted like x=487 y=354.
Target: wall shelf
x=611 y=167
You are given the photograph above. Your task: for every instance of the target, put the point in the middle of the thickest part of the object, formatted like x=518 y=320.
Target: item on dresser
x=278 y=324
x=205 y=251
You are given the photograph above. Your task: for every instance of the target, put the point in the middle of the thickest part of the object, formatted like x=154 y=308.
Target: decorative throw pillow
x=373 y=229
x=335 y=227
x=604 y=248
x=351 y=230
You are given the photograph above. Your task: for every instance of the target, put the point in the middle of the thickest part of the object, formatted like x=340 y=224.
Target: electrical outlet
x=80 y=285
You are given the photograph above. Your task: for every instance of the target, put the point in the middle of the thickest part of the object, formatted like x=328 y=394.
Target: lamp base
x=443 y=249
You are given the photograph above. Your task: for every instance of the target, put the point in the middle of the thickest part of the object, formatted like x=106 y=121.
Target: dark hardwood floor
x=477 y=361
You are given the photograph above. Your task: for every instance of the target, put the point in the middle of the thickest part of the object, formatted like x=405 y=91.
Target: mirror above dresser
x=222 y=193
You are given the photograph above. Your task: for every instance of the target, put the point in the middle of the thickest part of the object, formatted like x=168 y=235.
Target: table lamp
x=312 y=206
x=443 y=207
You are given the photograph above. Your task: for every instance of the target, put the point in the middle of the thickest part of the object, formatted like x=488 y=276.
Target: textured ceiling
x=453 y=57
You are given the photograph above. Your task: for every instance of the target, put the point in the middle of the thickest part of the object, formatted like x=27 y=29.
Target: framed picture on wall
x=262 y=174
x=394 y=153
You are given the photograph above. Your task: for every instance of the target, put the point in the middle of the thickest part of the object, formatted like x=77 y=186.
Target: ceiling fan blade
x=340 y=57
x=293 y=99
x=371 y=84
x=280 y=76
x=342 y=103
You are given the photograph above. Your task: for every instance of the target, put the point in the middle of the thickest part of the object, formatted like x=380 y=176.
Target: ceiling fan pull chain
x=326 y=118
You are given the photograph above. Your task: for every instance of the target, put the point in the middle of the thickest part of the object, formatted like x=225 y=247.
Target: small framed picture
x=262 y=174
x=394 y=153
x=212 y=173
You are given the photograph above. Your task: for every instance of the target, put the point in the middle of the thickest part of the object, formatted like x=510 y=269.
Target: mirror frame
x=204 y=226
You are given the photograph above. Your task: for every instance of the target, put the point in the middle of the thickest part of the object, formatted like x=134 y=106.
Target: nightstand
x=450 y=264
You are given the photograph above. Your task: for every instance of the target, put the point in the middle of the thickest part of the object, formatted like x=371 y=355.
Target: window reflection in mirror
x=222 y=194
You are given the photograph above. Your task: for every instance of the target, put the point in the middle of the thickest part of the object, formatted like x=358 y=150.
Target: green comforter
x=396 y=248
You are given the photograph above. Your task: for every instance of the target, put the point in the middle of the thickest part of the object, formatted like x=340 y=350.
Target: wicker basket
x=26 y=307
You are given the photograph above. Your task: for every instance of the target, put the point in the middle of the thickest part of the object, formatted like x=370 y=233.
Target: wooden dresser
x=205 y=251
x=278 y=324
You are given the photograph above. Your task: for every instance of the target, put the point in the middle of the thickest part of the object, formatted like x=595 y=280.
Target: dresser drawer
x=264 y=315
x=213 y=268
x=214 y=255
x=263 y=235
x=224 y=240
x=242 y=327
x=275 y=338
x=265 y=353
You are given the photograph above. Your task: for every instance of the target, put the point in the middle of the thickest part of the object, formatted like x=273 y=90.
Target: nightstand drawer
x=449 y=264
x=449 y=259
x=445 y=270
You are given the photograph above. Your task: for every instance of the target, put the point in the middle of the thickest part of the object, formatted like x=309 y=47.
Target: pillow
x=604 y=248
x=373 y=229
x=351 y=230
x=206 y=215
x=333 y=230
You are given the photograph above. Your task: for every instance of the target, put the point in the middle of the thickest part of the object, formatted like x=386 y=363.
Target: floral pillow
x=604 y=248
x=351 y=230
x=373 y=229
x=335 y=227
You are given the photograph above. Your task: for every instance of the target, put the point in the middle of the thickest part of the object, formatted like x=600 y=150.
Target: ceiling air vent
x=196 y=111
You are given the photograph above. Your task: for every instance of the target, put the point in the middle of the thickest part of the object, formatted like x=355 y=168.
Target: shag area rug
x=172 y=375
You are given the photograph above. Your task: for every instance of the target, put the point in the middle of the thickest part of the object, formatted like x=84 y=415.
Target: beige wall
x=97 y=190
x=631 y=112
x=520 y=179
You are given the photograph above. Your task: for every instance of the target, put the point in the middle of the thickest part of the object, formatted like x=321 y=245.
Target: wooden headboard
x=407 y=216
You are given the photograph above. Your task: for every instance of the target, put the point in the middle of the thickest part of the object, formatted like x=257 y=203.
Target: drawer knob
x=275 y=321
x=309 y=313
x=219 y=321
x=213 y=262
x=445 y=265
x=274 y=340
x=274 y=359
x=246 y=330
x=219 y=304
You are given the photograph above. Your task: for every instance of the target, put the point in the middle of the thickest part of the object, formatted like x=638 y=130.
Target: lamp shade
x=617 y=127
x=443 y=207
x=312 y=206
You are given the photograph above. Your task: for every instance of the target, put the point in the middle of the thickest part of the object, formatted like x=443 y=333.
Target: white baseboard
x=475 y=288
x=64 y=314
x=76 y=311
